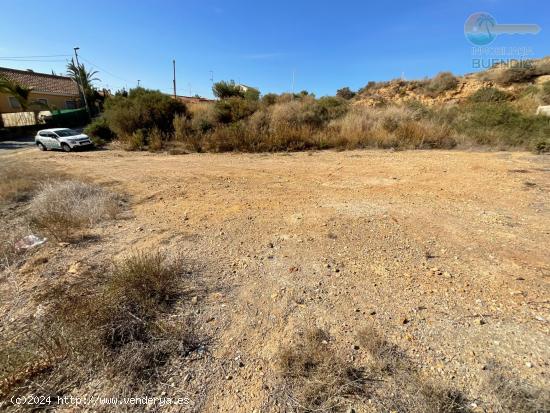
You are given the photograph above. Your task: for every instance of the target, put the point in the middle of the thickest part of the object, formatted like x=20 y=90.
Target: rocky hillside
x=446 y=88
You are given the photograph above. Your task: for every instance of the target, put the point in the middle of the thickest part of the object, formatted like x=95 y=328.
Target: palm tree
x=85 y=79
x=82 y=76
x=20 y=92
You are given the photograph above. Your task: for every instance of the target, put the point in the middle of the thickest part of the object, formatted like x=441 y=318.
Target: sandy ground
x=446 y=252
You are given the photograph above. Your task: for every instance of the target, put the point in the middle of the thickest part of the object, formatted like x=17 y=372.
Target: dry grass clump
x=19 y=180
x=399 y=386
x=316 y=379
x=513 y=395
x=109 y=326
x=391 y=127
x=61 y=208
x=10 y=256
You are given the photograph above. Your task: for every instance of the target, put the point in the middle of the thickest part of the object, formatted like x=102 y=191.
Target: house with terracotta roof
x=56 y=92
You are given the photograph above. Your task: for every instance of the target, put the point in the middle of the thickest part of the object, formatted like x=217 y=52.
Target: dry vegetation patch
x=108 y=326
x=316 y=379
x=61 y=208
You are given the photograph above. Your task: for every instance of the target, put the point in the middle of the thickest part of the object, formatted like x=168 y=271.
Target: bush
x=110 y=323
x=142 y=109
x=441 y=83
x=234 y=109
x=252 y=94
x=62 y=208
x=500 y=124
x=489 y=94
x=156 y=140
x=99 y=129
x=224 y=90
x=269 y=99
x=518 y=74
x=345 y=93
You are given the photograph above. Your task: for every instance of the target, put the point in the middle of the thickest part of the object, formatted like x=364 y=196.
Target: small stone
x=481 y=321
x=356 y=347
x=229 y=377
x=73 y=268
x=372 y=312
x=406 y=320
x=528 y=364
x=194 y=300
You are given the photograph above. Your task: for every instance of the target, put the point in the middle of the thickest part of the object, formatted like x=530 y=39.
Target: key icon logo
x=481 y=29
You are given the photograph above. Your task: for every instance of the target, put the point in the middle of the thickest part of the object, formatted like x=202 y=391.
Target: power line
x=30 y=60
x=102 y=69
x=29 y=57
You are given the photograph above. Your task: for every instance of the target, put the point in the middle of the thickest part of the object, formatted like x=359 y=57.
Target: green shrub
x=500 y=124
x=252 y=94
x=99 y=129
x=488 y=94
x=335 y=106
x=345 y=93
x=234 y=109
x=224 y=90
x=142 y=109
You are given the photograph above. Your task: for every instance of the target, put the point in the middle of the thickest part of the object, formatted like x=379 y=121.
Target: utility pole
x=174 y=64
x=293 y=76
x=212 y=76
x=81 y=81
x=138 y=82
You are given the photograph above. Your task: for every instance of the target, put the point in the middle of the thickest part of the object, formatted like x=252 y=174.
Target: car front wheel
x=41 y=146
x=65 y=147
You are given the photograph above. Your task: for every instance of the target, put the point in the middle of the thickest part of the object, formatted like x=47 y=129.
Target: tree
x=345 y=93
x=84 y=78
x=20 y=92
x=224 y=90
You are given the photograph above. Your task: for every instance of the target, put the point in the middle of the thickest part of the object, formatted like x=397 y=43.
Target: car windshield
x=63 y=133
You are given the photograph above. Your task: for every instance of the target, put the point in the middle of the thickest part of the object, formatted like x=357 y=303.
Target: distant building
x=57 y=92
x=244 y=88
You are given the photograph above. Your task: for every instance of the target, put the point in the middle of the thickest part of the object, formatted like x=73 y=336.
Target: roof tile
x=42 y=82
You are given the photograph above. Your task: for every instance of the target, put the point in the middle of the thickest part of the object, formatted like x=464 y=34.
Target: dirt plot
x=445 y=253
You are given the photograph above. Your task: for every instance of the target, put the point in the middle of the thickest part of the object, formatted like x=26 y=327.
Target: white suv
x=61 y=138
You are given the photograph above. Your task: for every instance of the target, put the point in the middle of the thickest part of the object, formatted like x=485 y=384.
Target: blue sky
x=328 y=44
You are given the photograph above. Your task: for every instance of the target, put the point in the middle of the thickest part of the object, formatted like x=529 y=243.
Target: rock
x=481 y=321
x=372 y=312
x=74 y=267
x=528 y=364
x=194 y=300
